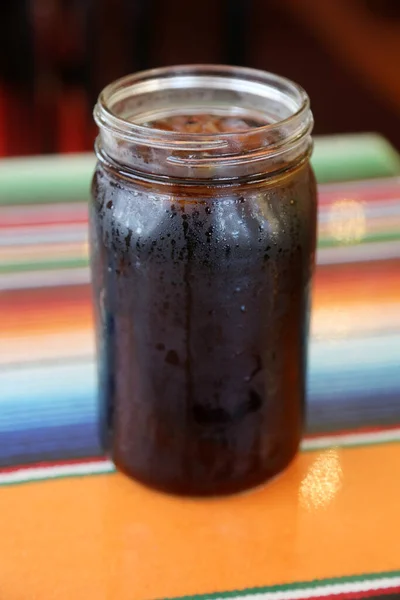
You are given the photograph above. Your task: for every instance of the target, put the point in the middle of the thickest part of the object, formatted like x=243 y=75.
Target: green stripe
x=45 y=179
x=48 y=265
x=340 y=158
x=353 y=445
x=298 y=586
x=329 y=242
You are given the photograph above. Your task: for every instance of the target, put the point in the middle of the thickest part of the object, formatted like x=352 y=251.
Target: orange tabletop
x=333 y=513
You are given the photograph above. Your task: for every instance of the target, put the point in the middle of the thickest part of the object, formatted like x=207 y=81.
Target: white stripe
x=39 y=473
x=106 y=466
x=45 y=278
x=44 y=234
x=48 y=346
x=351 y=439
x=324 y=590
x=358 y=253
x=27 y=212
x=377 y=209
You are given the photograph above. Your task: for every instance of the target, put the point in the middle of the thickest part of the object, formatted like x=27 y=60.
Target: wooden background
x=56 y=55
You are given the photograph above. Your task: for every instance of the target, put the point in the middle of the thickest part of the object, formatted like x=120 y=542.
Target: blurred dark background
x=56 y=55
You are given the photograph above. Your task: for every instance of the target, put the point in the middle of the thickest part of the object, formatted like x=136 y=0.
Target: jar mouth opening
x=128 y=107
x=124 y=105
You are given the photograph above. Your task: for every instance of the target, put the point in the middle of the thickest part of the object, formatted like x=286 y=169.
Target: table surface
x=72 y=528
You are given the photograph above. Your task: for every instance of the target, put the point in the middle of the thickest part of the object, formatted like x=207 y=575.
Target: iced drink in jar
x=202 y=243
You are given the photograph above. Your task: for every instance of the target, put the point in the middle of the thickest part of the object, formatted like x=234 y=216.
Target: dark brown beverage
x=202 y=297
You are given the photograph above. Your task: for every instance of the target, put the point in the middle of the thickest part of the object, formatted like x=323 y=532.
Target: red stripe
x=28 y=216
x=376 y=429
x=12 y=222
x=365 y=191
x=3 y=120
x=358 y=595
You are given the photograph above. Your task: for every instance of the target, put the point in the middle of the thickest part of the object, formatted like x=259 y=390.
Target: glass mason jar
x=202 y=223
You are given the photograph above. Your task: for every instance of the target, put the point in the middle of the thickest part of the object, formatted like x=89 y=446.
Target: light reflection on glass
x=347 y=221
x=322 y=482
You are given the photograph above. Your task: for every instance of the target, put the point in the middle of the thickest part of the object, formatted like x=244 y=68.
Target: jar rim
x=107 y=118
x=127 y=103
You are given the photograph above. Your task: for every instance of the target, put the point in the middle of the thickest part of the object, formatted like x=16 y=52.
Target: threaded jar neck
x=126 y=107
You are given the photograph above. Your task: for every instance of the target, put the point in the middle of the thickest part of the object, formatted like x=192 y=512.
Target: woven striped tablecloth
x=74 y=529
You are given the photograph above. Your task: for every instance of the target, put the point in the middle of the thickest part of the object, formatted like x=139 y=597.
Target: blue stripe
x=49 y=412
x=48 y=444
